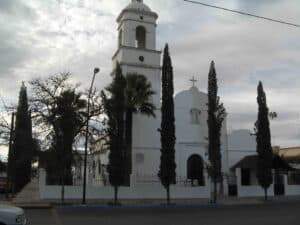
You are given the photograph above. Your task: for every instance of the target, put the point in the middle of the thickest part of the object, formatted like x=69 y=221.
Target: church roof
x=191 y=91
x=250 y=162
x=192 y=98
x=138 y=5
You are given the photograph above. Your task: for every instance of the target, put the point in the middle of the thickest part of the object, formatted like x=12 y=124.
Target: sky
x=42 y=38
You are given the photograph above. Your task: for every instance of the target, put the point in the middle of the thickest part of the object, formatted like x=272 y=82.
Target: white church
x=137 y=53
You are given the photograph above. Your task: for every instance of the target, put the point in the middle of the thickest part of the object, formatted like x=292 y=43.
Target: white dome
x=138 y=5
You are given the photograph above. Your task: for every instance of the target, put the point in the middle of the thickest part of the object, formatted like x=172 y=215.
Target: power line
x=244 y=13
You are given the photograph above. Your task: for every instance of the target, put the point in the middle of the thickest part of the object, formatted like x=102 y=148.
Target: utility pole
x=96 y=70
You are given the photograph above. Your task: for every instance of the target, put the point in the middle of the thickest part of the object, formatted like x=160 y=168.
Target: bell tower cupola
x=136 y=50
x=137 y=26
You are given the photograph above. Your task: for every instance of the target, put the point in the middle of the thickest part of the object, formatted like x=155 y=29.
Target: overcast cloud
x=39 y=38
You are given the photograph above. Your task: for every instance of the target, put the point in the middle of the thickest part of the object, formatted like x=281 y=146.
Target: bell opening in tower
x=140 y=40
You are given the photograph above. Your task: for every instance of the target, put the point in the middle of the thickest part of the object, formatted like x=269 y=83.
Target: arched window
x=120 y=37
x=195 y=116
x=195 y=169
x=140 y=37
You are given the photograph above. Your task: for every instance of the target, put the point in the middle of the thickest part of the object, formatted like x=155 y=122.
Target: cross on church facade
x=194 y=81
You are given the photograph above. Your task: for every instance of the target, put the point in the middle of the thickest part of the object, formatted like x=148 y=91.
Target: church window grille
x=94 y=169
x=195 y=116
x=294 y=178
x=140 y=38
x=99 y=167
x=140 y=158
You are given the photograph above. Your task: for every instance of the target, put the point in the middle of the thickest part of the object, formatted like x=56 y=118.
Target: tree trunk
x=116 y=195
x=266 y=194
x=63 y=188
x=128 y=153
x=168 y=195
x=215 y=192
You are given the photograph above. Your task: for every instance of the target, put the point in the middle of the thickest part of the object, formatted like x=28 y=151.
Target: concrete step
x=34 y=205
x=29 y=194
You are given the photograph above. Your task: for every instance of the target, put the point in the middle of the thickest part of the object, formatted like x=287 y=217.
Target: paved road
x=275 y=214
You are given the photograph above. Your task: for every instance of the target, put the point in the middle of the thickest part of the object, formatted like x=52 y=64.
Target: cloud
x=39 y=38
x=16 y=9
x=255 y=5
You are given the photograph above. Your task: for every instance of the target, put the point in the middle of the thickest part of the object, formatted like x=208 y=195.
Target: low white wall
x=140 y=191
x=253 y=190
x=291 y=190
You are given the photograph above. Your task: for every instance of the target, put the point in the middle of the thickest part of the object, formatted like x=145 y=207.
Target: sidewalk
x=158 y=203
x=183 y=203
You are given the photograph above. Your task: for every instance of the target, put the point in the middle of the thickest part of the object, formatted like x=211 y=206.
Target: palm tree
x=70 y=113
x=138 y=100
x=71 y=116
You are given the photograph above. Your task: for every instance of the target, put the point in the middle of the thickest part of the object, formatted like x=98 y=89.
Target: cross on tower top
x=194 y=81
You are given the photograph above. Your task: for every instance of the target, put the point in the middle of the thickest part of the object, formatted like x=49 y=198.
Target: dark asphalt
x=269 y=214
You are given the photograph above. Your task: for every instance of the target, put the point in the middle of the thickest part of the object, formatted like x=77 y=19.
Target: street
x=269 y=214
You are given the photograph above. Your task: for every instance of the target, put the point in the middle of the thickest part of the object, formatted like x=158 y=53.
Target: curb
x=32 y=206
x=74 y=208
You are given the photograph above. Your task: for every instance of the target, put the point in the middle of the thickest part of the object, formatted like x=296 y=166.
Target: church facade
x=137 y=53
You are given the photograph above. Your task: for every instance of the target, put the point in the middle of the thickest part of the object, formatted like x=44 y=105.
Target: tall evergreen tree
x=216 y=115
x=23 y=146
x=167 y=171
x=263 y=141
x=114 y=106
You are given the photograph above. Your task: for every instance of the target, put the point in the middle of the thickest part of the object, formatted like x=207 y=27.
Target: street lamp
x=96 y=70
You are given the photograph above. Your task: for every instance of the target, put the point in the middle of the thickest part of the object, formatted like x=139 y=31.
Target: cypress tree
x=216 y=116
x=115 y=110
x=23 y=143
x=263 y=142
x=167 y=172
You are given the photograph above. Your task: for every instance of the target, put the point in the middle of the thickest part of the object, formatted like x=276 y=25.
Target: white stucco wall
x=240 y=144
x=192 y=138
x=253 y=190
x=141 y=191
x=291 y=190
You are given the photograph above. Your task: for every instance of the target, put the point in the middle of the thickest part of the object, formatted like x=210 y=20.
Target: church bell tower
x=137 y=54
x=136 y=51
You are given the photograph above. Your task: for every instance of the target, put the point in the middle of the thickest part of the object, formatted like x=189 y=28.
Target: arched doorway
x=195 y=169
